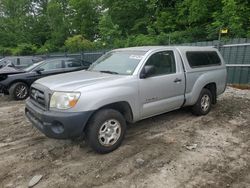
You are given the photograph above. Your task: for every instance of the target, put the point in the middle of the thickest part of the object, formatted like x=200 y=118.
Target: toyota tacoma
x=125 y=86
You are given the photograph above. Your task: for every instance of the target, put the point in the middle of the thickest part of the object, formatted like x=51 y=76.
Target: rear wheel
x=204 y=103
x=19 y=91
x=105 y=130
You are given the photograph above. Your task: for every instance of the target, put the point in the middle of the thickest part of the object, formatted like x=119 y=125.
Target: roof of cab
x=152 y=48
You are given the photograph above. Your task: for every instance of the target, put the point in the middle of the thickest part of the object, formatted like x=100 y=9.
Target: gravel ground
x=175 y=149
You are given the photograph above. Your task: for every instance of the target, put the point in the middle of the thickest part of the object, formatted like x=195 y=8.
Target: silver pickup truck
x=125 y=86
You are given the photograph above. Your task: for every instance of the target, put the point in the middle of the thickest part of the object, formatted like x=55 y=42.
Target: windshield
x=118 y=62
x=31 y=67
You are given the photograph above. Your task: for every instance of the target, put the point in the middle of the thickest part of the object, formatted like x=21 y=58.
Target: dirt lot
x=176 y=149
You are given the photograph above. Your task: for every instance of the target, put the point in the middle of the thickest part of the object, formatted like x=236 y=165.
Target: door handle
x=177 y=80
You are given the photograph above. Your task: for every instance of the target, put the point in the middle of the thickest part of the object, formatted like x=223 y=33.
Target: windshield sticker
x=138 y=57
x=129 y=71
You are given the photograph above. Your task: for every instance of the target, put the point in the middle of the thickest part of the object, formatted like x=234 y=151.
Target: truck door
x=164 y=89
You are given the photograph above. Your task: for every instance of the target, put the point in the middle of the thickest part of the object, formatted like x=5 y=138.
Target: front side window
x=201 y=59
x=52 y=65
x=25 y=61
x=163 y=62
x=72 y=63
x=118 y=62
x=32 y=67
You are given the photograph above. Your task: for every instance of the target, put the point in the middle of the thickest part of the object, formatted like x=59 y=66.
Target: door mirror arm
x=39 y=71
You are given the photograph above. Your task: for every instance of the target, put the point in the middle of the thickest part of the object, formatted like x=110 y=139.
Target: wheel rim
x=21 y=91
x=205 y=103
x=109 y=132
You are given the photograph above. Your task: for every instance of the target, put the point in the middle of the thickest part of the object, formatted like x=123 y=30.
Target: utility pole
x=222 y=31
x=219 y=38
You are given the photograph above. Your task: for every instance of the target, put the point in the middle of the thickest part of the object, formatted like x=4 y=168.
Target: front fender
x=96 y=99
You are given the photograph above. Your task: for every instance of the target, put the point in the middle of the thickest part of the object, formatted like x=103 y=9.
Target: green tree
x=234 y=15
x=108 y=30
x=13 y=19
x=58 y=23
x=78 y=43
x=44 y=25
x=85 y=17
x=130 y=15
x=40 y=29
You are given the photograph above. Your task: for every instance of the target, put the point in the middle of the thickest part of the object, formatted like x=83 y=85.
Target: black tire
x=199 y=108
x=97 y=121
x=15 y=92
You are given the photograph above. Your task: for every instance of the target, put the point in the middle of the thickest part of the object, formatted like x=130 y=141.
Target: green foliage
x=5 y=51
x=78 y=43
x=58 y=22
x=232 y=15
x=108 y=30
x=43 y=26
x=24 y=49
x=142 y=40
x=191 y=12
x=46 y=48
x=127 y=14
x=85 y=17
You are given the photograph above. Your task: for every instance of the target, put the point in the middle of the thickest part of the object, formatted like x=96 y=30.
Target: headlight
x=63 y=101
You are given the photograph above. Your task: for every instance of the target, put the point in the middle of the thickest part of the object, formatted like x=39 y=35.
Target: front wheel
x=204 y=103
x=106 y=130
x=19 y=91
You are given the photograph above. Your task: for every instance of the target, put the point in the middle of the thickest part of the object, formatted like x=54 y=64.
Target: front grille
x=38 y=97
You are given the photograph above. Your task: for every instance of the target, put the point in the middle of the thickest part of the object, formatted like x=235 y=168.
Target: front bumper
x=60 y=125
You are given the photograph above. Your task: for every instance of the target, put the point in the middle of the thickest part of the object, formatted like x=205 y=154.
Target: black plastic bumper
x=60 y=125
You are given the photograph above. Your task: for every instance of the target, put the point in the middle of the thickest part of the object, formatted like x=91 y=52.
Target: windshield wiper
x=109 y=72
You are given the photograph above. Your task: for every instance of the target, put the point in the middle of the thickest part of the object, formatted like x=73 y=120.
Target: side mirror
x=39 y=70
x=147 y=71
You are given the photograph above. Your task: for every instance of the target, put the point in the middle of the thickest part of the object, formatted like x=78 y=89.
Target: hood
x=75 y=80
x=10 y=70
